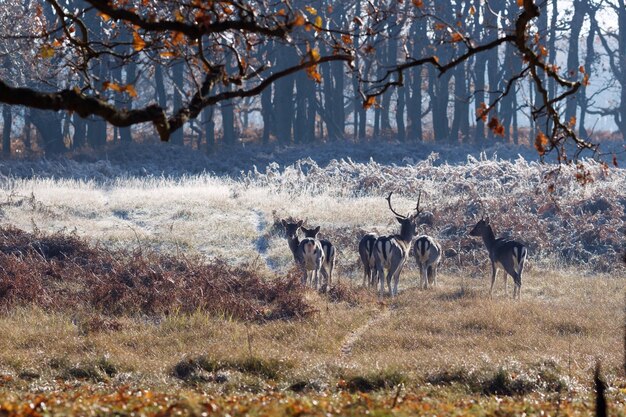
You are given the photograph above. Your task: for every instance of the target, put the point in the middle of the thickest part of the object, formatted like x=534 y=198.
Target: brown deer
x=427 y=252
x=307 y=253
x=503 y=253
x=366 y=252
x=328 y=262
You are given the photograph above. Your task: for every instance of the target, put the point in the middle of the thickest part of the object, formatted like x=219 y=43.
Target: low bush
x=192 y=369
x=64 y=273
x=372 y=382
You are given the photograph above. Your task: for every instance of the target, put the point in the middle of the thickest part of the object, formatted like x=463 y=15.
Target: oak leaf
x=138 y=42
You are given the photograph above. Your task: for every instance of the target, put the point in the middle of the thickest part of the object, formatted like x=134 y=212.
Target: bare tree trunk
x=400 y=115
x=284 y=105
x=306 y=108
x=359 y=111
x=417 y=36
x=573 y=54
x=79 y=139
x=178 y=81
x=27 y=131
x=621 y=75
x=228 y=122
x=479 y=74
x=209 y=128
x=494 y=75
x=7 y=117
x=589 y=58
x=552 y=52
x=159 y=82
x=267 y=112
x=511 y=66
x=48 y=125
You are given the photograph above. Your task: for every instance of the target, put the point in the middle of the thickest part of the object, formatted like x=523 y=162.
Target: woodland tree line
x=206 y=73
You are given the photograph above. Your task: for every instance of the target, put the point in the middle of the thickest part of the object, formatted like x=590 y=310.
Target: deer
x=390 y=252
x=307 y=253
x=366 y=252
x=503 y=253
x=427 y=252
x=291 y=232
x=328 y=262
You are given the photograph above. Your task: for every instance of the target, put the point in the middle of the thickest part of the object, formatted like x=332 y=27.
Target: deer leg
x=373 y=277
x=424 y=276
x=325 y=277
x=396 y=279
x=318 y=267
x=380 y=275
x=331 y=268
x=433 y=271
x=396 y=276
x=494 y=270
x=517 y=291
x=519 y=280
x=389 y=275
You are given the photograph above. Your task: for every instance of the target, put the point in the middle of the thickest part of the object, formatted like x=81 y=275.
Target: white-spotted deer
x=427 y=252
x=366 y=252
x=307 y=253
x=391 y=251
x=328 y=262
x=503 y=253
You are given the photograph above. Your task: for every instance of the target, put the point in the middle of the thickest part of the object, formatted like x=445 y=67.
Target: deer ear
x=400 y=220
x=317 y=229
x=283 y=222
x=300 y=223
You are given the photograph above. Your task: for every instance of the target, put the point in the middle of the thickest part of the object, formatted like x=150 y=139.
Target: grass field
x=444 y=351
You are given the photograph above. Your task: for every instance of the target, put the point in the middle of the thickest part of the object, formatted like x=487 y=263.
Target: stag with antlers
x=390 y=252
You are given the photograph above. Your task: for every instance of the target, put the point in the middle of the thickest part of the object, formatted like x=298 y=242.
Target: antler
x=417 y=208
x=391 y=208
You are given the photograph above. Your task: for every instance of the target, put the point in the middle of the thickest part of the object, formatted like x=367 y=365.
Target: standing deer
x=427 y=254
x=328 y=262
x=291 y=232
x=307 y=253
x=366 y=251
x=503 y=253
x=391 y=251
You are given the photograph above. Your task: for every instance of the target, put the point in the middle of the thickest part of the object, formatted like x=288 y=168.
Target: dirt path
x=350 y=340
x=261 y=243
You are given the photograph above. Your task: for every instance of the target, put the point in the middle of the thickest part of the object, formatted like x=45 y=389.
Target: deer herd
x=379 y=253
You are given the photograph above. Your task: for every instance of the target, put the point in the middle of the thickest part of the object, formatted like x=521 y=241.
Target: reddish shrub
x=64 y=273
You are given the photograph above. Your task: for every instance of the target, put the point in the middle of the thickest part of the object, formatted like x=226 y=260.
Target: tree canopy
x=106 y=58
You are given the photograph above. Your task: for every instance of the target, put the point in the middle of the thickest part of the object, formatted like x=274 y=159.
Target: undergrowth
x=61 y=272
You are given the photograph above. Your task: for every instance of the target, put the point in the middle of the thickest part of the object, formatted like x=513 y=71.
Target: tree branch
x=192 y=30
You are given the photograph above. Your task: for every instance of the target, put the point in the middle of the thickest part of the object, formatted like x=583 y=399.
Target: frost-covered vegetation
x=165 y=159
x=559 y=218
x=563 y=221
